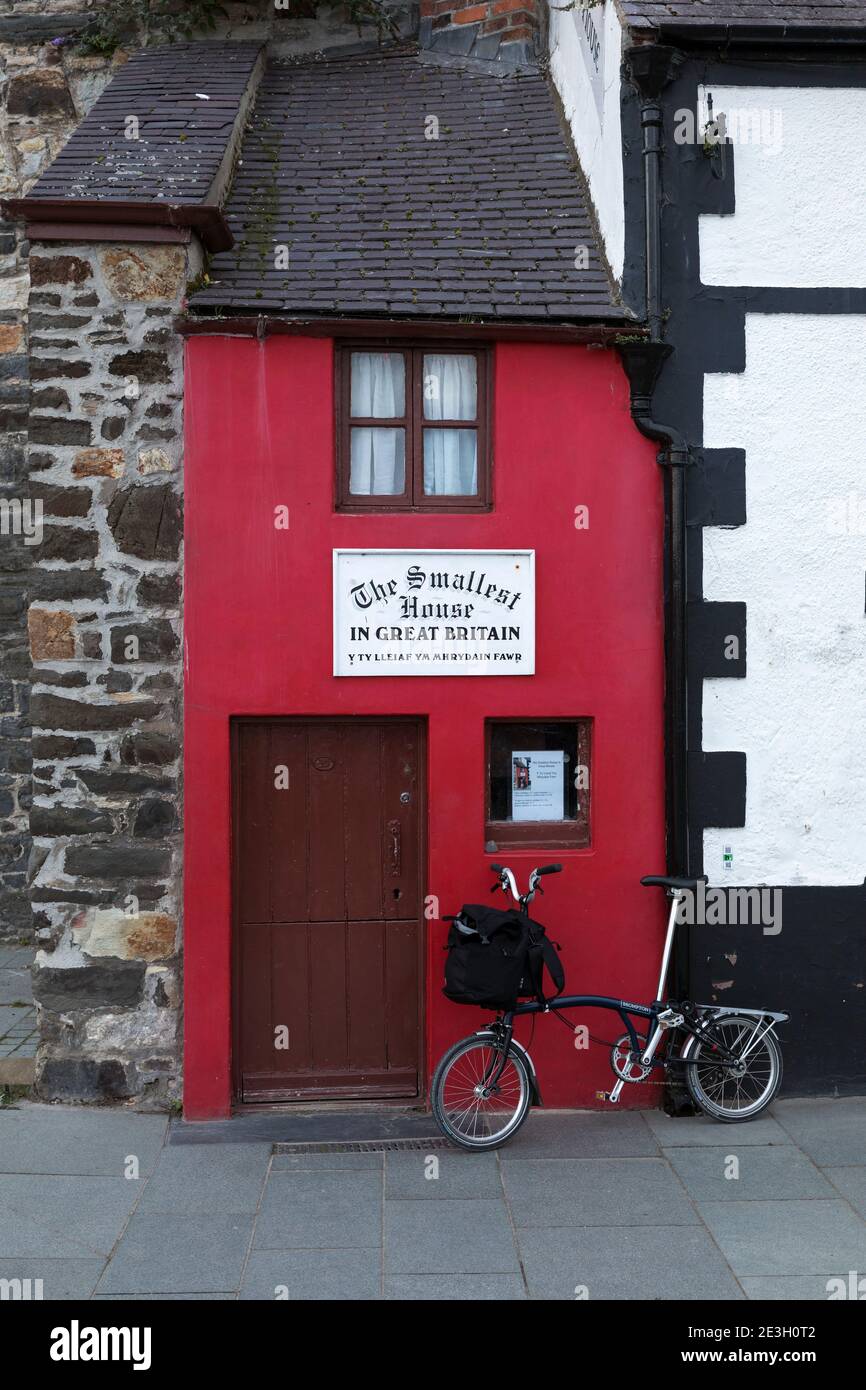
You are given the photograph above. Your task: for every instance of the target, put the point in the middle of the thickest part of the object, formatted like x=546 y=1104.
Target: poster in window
x=538 y=785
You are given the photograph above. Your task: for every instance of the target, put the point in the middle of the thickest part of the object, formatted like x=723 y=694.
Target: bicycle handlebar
x=508 y=883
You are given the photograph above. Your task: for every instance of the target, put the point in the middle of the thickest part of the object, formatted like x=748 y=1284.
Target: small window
x=413 y=430
x=538 y=783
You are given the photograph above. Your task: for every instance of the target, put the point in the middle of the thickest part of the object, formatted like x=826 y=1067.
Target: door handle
x=394 y=847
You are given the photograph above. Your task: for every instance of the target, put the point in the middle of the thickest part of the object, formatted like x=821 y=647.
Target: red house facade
x=290 y=915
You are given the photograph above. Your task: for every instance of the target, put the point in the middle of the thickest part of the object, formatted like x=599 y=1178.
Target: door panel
x=328 y=908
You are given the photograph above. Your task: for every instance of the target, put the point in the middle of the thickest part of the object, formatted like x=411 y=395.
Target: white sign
x=538 y=785
x=434 y=612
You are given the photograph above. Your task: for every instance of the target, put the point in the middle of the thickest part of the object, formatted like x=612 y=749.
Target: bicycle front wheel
x=470 y=1110
x=734 y=1093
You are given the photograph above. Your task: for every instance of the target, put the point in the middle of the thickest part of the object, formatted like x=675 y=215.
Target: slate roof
x=182 y=136
x=706 y=15
x=484 y=221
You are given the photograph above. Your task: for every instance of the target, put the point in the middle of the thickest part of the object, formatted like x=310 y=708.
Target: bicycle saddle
x=659 y=881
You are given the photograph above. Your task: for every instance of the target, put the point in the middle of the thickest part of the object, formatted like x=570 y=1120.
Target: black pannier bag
x=495 y=958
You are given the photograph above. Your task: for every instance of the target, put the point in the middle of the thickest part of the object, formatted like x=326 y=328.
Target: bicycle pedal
x=608 y=1096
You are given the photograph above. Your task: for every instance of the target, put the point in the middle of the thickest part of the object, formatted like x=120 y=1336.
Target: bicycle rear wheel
x=733 y=1094
x=466 y=1108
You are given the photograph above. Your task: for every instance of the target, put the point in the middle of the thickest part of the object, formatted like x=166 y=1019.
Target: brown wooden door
x=328 y=908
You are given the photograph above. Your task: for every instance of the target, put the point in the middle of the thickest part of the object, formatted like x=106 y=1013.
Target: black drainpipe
x=651 y=68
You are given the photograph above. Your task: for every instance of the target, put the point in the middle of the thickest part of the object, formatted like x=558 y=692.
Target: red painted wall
x=258 y=641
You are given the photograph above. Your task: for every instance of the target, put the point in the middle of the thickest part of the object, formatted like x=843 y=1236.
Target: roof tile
x=184 y=99
x=400 y=186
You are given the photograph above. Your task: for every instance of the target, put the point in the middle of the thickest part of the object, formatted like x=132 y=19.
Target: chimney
x=505 y=31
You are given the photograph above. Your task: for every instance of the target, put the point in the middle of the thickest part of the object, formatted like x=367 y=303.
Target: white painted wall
x=799 y=411
x=593 y=114
x=800 y=217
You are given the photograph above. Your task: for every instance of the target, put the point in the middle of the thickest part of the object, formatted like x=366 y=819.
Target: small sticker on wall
x=727 y=857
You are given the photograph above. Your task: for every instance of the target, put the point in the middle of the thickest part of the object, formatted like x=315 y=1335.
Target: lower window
x=538 y=783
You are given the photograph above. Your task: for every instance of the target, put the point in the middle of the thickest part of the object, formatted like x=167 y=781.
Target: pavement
x=107 y=1203
x=18 y=1031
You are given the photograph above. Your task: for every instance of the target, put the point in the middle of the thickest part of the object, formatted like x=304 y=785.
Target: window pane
x=450 y=463
x=378 y=385
x=450 y=386
x=378 y=462
x=533 y=772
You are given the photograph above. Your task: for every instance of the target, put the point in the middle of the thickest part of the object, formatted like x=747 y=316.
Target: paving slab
x=685 y=1131
x=165 y=1253
x=93 y=1140
x=323 y=1210
x=582 y=1134
x=69 y=1278
x=832 y=1132
x=762 y=1172
x=452 y=1236
x=595 y=1192
x=227 y=1179
x=795 y=1237
x=10 y=1017
x=16 y=982
x=14 y=957
x=313 y=1275
x=620 y=1262
x=312 y=1163
x=794 y=1288
x=17 y=1053
x=63 y=1217
x=851 y=1183
x=434 y=1176
x=455 y=1288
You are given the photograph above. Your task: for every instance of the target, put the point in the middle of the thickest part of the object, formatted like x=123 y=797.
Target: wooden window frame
x=413 y=498
x=546 y=834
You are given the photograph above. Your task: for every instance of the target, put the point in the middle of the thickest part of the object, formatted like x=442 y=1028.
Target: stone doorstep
x=17 y=1071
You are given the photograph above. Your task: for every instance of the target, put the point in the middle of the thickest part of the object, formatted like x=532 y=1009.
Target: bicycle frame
x=663 y=1017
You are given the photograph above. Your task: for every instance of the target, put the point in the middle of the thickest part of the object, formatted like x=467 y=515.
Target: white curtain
x=450 y=456
x=378 y=454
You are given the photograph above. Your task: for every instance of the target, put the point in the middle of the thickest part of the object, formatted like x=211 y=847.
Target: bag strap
x=553 y=963
x=543 y=952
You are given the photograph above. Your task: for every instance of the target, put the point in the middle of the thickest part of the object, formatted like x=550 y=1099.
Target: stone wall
x=45 y=90
x=105 y=439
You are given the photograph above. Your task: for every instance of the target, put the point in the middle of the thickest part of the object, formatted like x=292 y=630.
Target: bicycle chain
x=602 y=1043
